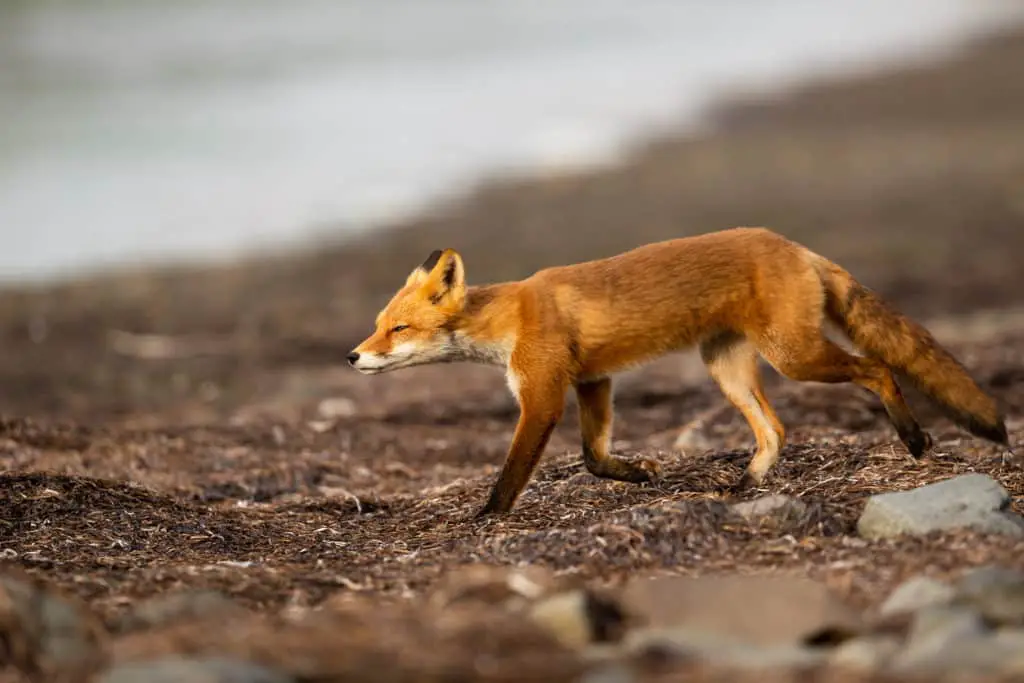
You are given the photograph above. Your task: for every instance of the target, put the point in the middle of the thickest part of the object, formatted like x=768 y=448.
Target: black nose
x=352 y=358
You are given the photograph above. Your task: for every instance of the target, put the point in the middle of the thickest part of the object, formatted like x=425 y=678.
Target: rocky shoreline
x=501 y=623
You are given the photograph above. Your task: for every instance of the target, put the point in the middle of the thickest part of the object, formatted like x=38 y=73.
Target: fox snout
x=366 y=362
x=374 y=362
x=401 y=355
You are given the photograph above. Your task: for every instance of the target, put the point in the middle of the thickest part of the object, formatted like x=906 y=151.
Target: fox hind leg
x=732 y=362
x=596 y=414
x=820 y=360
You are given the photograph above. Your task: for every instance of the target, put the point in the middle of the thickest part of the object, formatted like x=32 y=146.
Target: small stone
x=969 y=501
x=615 y=672
x=206 y=670
x=915 y=594
x=579 y=618
x=787 y=657
x=334 y=408
x=695 y=437
x=1012 y=638
x=167 y=609
x=995 y=592
x=685 y=645
x=760 y=610
x=867 y=653
x=968 y=654
x=934 y=630
x=940 y=624
x=777 y=507
x=564 y=617
x=693 y=441
x=509 y=587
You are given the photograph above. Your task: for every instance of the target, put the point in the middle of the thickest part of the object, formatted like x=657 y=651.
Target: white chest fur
x=464 y=348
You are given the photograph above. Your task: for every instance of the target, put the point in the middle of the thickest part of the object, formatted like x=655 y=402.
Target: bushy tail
x=910 y=350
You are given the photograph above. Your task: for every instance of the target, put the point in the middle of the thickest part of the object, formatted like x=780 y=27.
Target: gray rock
x=695 y=436
x=935 y=630
x=206 y=670
x=1011 y=638
x=995 y=593
x=720 y=650
x=867 y=653
x=969 y=501
x=614 y=672
x=693 y=440
x=775 y=507
x=974 y=654
x=941 y=624
x=915 y=594
x=753 y=657
x=760 y=610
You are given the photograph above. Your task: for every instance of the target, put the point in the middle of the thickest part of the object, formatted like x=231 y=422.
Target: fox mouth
x=369 y=371
x=382 y=365
x=375 y=369
x=402 y=356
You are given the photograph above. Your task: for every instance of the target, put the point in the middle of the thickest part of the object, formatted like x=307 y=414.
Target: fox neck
x=485 y=331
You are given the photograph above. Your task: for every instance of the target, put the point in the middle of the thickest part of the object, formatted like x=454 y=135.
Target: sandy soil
x=196 y=427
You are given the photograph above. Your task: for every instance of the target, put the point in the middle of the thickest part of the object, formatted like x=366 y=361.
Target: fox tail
x=909 y=349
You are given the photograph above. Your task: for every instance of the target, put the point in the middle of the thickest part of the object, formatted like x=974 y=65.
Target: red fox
x=735 y=294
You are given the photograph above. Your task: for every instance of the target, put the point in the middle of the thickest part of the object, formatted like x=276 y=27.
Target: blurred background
x=157 y=157
x=147 y=129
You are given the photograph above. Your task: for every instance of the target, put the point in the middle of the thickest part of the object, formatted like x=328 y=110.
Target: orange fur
x=735 y=294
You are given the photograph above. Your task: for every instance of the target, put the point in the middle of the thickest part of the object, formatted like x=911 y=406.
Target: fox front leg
x=541 y=403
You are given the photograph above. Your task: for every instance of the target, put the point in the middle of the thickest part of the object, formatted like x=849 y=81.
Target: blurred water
x=142 y=129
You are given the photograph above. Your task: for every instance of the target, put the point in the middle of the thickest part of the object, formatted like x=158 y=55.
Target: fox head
x=414 y=327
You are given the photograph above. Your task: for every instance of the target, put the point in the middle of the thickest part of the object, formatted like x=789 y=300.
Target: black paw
x=492 y=509
x=744 y=483
x=917 y=443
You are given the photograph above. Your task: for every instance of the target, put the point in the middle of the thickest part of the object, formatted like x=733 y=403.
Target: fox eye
x=399 y=328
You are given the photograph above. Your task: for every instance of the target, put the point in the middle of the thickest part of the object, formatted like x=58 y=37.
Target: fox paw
x=648 y=469
x=633 y=471
x=918 y=443
x=487 y=513
x=746 y=482
x=638 y=471
x=495 y=506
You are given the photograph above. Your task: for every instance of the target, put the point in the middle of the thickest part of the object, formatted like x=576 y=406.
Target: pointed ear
x=420 y=273
x=445 y=279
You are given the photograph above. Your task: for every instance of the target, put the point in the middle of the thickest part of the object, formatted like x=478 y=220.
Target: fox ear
x=445 y=278
x=420 y=273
